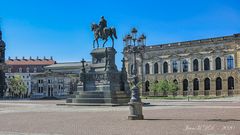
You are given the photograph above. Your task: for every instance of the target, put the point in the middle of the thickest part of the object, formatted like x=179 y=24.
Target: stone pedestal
x=103 y=83
x=135 y=111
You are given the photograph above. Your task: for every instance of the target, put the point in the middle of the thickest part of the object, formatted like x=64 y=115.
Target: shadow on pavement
x=166 y=105
x=216 y=120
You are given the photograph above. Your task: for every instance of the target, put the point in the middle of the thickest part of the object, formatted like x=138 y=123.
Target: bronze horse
x=107 y=32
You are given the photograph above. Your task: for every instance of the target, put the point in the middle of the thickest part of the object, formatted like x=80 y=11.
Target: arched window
x=27 y=69
x=156 y=68
x=175 y=81
x=131 y=70
x=147 y=86
x=185 y=85
x=20 y=70
x=230 y=83
x=207 y=84
x=206 y=64
x=218 y=83
x=230 y=64
x=175 y=66
x=165 y=67
x=218 y=63
x=185 y=66
x=195 y=84
x=195 y=65
x=147 y=70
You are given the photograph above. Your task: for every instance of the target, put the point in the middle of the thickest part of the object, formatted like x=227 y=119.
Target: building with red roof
x=26 y=68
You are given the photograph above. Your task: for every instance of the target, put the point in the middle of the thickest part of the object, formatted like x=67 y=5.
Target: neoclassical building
x=200 y=67
x=58 y=81
x=50 y=84
x=25 y=68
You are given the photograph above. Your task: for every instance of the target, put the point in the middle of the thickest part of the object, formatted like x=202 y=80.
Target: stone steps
x=93 y=95
x=100 y=97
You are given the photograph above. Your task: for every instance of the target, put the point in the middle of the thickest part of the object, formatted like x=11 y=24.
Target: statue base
x=104 y=83
x=135 y=111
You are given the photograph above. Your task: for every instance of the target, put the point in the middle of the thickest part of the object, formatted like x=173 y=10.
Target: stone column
x=201 y=87
x=226 y=63
x=212 y=63
x=237 y=56
x=223 y=62
x=224 y=87
x=179 y=66
x=151 y=68
x=236 y=85
x=180 y=85
x=212 y=87
x=234 y=61
x=200 y=65
x=139 y=68
x=159 y=68
x=190 y=87
x=190 y=65
x=162 y=66
x=169 y=66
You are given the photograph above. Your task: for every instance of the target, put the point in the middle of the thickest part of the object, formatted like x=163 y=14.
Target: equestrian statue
x=103 y=32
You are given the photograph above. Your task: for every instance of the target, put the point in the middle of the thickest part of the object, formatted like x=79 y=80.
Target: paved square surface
x=161 y=118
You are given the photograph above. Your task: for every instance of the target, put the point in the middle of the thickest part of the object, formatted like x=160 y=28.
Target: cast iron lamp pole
x=135 y=104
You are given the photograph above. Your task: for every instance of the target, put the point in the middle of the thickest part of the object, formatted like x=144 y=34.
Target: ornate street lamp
x=135 y=104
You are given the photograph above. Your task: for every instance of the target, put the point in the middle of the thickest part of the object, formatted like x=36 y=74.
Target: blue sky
x=61 y=28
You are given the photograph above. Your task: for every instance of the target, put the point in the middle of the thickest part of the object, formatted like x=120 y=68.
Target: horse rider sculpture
x=102 y=31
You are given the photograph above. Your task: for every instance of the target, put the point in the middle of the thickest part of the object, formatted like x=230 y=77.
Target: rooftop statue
x=103 y=32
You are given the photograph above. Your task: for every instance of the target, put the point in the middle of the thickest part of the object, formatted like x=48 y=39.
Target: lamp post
x=135 y=104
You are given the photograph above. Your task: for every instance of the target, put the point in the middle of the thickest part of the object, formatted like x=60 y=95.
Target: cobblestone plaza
x=206 y=117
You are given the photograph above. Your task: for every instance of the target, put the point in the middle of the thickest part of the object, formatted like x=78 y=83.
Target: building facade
x=199 y=67
x=25 y=68
x=58 y=81
x=50 y=84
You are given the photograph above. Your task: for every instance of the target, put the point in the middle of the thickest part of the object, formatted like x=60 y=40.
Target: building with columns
x=58 y=81
x=202 y=67
x=50 y=85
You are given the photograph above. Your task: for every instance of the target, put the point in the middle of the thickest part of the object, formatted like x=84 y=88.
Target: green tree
x=17 y=86
x=163 y=87
x=154 y=87
x=173 y=88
